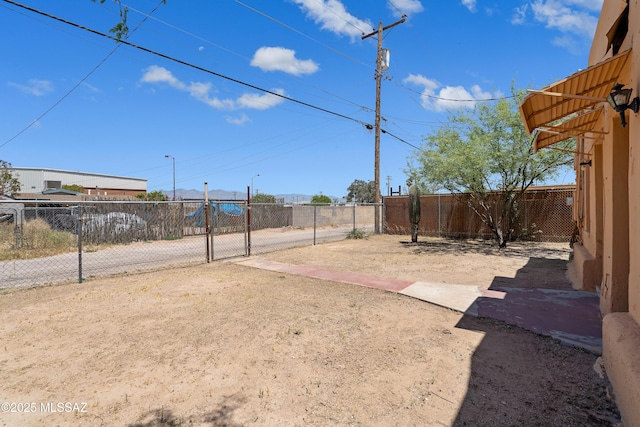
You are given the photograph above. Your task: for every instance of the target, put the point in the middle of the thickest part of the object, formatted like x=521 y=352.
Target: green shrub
x=357 y=233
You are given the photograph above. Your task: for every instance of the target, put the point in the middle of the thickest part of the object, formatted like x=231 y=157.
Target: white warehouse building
x=39 y=180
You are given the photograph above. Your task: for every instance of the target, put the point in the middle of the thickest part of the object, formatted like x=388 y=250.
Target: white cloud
x=435 y=97
x=520 y=15
x=332 y=15
x=282 y=59
x=469 y=4
x=34 y=87
x=594 y=5
x=155 y=74
x=568 y=42
x=90 y=88
x=239 y=121
x=409 y=7
x=571 y=17
x=201 y=91
x=260 y=102
x=556 y=14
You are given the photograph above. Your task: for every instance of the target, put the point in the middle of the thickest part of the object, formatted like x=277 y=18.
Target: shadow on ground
x=499 y=385
x=487 y=247
x=221 y=416
x=540 y=273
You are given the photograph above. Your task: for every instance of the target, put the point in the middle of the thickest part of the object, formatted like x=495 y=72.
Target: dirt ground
x=227 y=345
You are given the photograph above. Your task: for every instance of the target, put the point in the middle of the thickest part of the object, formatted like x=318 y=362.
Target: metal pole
x=439 y=217
x=314 y=225
x=79 y=231
x=206 y=218
x=248 y=221
x=354 y=216
x=173 y=159
x=252 y=193
x=214 y=224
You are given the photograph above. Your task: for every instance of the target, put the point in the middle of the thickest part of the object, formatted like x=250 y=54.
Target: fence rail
x=46 y=241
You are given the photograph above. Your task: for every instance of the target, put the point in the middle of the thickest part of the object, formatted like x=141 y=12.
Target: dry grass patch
x=36 y=239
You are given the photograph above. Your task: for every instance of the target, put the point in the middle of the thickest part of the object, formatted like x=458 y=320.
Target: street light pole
x=252 y=194
x=174 y=174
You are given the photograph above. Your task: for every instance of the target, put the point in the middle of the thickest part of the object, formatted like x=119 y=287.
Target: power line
x=396 y=8
x=289 y=27
x=438 y=98
x=364 y=108
x=399 y=139
x=323 y=4
x=188 y=64
x=77 y=85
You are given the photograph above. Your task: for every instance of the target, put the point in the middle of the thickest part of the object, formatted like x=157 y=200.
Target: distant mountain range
x=218 y=194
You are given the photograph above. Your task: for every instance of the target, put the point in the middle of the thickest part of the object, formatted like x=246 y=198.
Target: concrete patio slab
x=570 y=316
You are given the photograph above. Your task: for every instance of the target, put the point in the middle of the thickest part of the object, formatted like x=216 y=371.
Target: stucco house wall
x=606 y=258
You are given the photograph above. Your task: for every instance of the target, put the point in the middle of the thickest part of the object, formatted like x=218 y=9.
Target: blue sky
x=74 y=100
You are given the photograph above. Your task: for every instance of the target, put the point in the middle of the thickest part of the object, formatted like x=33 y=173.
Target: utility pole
x=376 y=168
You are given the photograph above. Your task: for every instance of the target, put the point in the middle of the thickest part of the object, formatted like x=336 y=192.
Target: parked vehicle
x=101 y=225
x=114 y=223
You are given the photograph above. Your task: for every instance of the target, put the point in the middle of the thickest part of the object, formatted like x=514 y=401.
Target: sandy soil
x=226 y=345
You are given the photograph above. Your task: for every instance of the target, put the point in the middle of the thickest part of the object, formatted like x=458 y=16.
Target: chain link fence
x=46 y=241
x=279 y=227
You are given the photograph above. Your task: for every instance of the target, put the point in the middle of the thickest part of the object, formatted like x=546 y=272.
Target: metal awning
x=578 y=94
x=579 y=125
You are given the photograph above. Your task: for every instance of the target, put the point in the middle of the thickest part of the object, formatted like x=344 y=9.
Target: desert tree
x=9 y=183
x=361 y=191
x=263 y=198
x=320 y=199
x=485 y=156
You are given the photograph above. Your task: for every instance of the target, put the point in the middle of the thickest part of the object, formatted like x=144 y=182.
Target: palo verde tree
x=9 y=184
x=485 y=156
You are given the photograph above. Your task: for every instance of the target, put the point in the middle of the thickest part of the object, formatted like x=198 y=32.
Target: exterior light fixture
x=619 y=100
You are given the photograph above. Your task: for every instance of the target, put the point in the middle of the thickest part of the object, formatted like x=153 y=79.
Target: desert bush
x=357 y=233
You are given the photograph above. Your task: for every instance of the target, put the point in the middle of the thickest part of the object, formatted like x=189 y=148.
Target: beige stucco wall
x=614 y=286
x=620 y=345
x=634 y=169
x=612 y=231
x=333 y=216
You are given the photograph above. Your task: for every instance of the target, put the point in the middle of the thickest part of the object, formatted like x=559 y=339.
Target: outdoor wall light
x=619 y=100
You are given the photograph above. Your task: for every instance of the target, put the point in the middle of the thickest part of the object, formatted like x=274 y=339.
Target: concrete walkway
x=572 y=317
